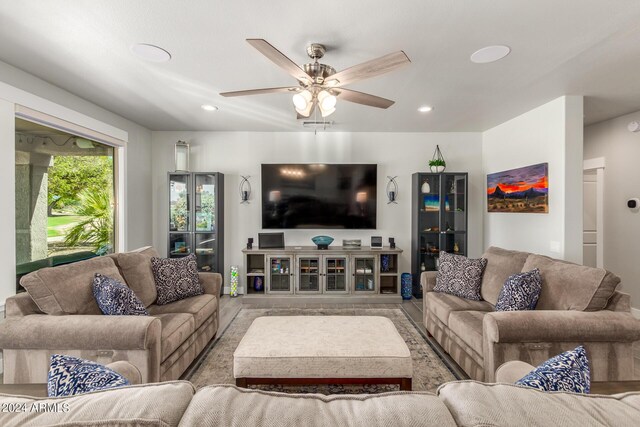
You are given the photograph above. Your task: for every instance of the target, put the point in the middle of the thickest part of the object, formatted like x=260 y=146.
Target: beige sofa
x=58 y=314
x=577 y=305
x=460 y=403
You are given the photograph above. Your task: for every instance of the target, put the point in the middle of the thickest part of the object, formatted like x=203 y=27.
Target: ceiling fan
x=319 y=84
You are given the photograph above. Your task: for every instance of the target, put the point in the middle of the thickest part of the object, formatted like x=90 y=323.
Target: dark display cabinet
x=196 y=218
x=438 y=220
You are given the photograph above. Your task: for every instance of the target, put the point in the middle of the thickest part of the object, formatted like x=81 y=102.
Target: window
x=64 y=197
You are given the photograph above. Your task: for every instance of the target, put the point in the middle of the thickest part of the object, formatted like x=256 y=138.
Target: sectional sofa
x=459 y=403
x=59 y=314
x=577 y=305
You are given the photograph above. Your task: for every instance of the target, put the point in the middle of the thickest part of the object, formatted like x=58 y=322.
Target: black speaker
x=392 y=243
x=250 y=243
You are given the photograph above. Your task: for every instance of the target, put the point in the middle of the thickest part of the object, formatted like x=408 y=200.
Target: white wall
x=621 y=149
x=241 y=153
x=551 y=133
x=16 y=86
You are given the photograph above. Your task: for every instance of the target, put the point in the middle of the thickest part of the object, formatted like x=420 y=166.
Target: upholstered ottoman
x=298 y=350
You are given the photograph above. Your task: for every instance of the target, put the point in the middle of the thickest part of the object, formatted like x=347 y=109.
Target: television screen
x=319 y=196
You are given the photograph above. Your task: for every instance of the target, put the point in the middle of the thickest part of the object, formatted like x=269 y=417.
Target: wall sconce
x=182 y=156
x=245 y=189
x=392 y=189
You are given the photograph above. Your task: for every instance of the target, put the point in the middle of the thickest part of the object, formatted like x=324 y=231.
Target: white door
x=589 y=220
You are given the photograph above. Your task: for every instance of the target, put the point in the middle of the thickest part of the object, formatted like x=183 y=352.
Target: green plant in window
x=97 y=227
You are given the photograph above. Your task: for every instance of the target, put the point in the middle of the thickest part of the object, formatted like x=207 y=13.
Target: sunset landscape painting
x=522 y=190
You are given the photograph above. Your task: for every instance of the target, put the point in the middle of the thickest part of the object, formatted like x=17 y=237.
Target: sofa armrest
x=211 y=283
x=512 y=371
x=81 y=332
x=428 y=280
x=560 y=326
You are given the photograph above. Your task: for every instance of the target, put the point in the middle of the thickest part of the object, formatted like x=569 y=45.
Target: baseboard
x=635 y=312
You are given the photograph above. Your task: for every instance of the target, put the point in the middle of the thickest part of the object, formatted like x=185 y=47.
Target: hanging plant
x=437 y=163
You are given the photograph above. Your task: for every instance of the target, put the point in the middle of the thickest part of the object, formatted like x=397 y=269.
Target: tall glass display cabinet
x=438 y=220
x=196 y=218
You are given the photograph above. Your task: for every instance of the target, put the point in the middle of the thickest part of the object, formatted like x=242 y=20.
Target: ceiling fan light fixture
x=326 y=100
x=301 y=100
x=327 y=112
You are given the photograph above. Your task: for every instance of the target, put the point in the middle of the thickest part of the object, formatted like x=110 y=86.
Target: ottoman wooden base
x=404 y=383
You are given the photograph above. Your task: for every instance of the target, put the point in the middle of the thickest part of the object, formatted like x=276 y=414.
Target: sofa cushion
x=115 y=299
x=460 y=276
x=467 y=325
x=520 y=292
x=139 y=405
x=227 y=405
x=176 y=278
x=70 y=375
x=501 y=263
x=568 y=286
x=201 y=307
x=568 y=371
x=477 y=404
x=68 y=289
x=136 y=270
x=442 y=305
x=176 y=329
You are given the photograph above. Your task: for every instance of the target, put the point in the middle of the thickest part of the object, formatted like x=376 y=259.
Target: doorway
x=593 y=213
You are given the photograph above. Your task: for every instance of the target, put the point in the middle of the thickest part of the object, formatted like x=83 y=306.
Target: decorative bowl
x=322 y=240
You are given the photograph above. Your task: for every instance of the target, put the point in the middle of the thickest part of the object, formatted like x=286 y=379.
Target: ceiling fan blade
x=280 y=59
x=369 y=69
x=364 y=98
x=261 y=91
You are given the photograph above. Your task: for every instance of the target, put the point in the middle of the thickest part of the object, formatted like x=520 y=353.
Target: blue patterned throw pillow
x=70 y=375
x=176 y=278
x=460 y=276
x=520 y=292
x=568 y=371
x=115 y=298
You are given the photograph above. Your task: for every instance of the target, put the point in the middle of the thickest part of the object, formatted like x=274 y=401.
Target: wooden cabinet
x=312 y=272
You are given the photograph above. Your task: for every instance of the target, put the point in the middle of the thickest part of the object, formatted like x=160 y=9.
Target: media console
x=335 y=274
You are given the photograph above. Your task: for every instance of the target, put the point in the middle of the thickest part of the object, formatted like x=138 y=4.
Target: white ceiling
x=574 y=47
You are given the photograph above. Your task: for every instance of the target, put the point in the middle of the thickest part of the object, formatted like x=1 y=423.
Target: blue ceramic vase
x=406 y=285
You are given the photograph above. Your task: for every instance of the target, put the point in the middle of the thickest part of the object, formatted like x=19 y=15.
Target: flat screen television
x=319 y=196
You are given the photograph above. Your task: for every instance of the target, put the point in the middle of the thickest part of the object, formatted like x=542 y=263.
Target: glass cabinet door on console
x=308 y=274
x=335 y=274
x=364 y=274
x=280 y=274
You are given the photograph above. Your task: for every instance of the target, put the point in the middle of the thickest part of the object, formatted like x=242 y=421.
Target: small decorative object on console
x=376 y=242
x=250 y=243
x=568 y=371
x=351 y=243
x=258 y=283
x=384 y=261
x=234 y=281
x=322 y=242
x=392 y=243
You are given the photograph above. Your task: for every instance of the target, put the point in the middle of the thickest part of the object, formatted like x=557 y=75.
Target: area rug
x=216 y=364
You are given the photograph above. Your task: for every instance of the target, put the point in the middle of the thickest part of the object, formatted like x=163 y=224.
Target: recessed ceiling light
x=208 y=107
x=425 y=109
x=490 y=54
x=149 y=52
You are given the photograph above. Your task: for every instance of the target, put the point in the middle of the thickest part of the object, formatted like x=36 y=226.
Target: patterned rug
x=216 y=365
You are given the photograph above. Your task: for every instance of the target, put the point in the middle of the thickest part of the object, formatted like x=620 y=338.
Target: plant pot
x=437 y=169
